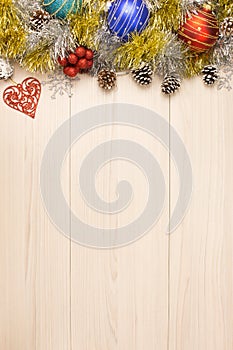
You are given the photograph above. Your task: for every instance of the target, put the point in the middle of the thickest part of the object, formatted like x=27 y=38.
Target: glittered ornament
x=62 y=8
x=127 y=16
x=6 y=69
x=200 y=30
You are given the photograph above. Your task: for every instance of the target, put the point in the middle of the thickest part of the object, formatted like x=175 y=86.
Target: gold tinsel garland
x=142 y=48
x=85 y=23
x=88 y=21
x=168 y=16
x=225 y=9
x=38 y=59
x=195 y=63
x=12 y=33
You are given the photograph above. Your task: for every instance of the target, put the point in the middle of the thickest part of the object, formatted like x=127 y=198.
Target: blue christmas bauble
x=62 y=8
x=127 y=16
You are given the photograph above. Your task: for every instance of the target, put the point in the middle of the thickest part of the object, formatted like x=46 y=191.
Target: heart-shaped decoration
x=24 y=97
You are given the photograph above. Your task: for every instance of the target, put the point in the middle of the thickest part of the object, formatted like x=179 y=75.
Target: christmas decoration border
x=37 y=40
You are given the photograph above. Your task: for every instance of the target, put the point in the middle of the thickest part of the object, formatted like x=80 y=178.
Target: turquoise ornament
x=62 y=8
x=127 y=16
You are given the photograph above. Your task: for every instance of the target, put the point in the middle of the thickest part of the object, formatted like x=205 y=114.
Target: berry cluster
x=77 y=62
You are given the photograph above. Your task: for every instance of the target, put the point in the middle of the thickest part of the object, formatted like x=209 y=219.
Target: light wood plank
x=201 y=285
x=119 y=297
x=35 y=257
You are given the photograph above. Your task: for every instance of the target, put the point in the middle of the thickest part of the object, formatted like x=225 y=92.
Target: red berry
x=89 y=54
x=80 y=51
x=72 y=58
x=70 y=71
x=89 y=63
x=77 y=67
x=62 y=61
x=82 y=63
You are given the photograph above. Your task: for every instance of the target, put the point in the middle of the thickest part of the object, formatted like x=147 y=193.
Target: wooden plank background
x=161 y=292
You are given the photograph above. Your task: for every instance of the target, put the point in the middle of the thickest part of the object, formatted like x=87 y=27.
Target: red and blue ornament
x=127 y=16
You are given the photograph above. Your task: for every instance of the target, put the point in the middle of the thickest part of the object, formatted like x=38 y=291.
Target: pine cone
x=210 y=75
x=143 y=76
x=39 y=18
x=170 y=84
x=107 y=79
x=226 y=27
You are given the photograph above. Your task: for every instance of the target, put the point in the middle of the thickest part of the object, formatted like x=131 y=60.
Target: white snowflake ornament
x=59 y=83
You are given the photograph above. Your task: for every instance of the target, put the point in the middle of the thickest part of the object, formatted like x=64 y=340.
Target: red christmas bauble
x=82 y=63
x=62 y=61
x=89 y=54
x=80 y=51
x=72 y=58
x=70 y=71
x=201 y=30
x=89 y=64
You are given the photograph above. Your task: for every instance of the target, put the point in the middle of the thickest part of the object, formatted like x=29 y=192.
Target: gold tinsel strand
x=225 y=9
x=195 y=63
x=142 y=48
x=38 y=59
x=12 y=33
x=86 y=22
x=169 y=14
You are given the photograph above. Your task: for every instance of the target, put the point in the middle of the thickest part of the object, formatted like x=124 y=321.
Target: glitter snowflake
x=225 y=78
x=60 y=84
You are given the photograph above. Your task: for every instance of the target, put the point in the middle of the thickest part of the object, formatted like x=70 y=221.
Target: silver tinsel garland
x=28 y=4
x=223 y=59
x=223 y=51
x=26 y=8
x=107 y=45
x=152 y=4
x=171 y=59
x=56 y=35
x=6 y=69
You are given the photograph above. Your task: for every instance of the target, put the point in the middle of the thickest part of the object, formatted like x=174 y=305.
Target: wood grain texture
x=35 y=257
x=161 y=292
x=119 y=296
x=201 y=285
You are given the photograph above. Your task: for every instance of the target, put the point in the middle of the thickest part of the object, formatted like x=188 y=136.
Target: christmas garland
x=175 y=39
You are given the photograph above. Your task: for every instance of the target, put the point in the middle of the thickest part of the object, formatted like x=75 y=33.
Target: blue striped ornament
x=127 y=16
x=62 y=8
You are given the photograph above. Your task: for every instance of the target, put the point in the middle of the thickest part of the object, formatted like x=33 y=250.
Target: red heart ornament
x=24 y=97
